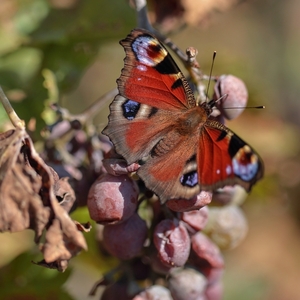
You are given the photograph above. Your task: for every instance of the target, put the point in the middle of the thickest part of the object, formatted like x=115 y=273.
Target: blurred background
x=77 y=40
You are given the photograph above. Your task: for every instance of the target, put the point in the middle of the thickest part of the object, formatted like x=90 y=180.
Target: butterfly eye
x=130 y=109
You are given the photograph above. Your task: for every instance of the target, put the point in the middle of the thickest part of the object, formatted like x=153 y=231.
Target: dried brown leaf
x=20 y=205
x=60 y=265
x=54 y=247
x=86 y=227
x=59 y=246
x=28 y=189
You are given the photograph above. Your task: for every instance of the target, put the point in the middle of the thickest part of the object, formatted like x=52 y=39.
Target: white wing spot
x=228 y=170
x=142 y=68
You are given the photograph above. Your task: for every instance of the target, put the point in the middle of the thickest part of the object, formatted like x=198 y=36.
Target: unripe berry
x=154 y=292
x=187 y=284
x=229 y=195
x=227 y=226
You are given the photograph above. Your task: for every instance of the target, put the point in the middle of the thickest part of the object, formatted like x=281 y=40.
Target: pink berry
x=196 y=219
x=237 y=93
x=205 y=252
x=158 y=266
x=112 y=199
x=214 y=291
x=118 y=166
x=172 y=241
x=125 y=240
x=180 y=205
x=212 y=275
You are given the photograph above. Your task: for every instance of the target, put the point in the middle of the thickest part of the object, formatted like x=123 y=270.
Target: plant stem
x=14 y=118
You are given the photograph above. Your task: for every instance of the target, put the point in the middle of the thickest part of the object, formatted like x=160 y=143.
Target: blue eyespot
x=189 y=179
x=245 y=171
x=130 y=109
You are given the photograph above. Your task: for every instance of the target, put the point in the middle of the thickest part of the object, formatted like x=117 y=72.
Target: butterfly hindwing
x=166 y=173
x=225 y=159
x=222 y=158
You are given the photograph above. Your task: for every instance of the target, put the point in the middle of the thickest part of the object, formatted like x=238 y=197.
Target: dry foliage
x=33 y=197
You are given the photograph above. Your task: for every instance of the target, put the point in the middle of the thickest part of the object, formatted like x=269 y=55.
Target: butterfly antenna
x=243 y=107
x=219 y=99
x=210 y=72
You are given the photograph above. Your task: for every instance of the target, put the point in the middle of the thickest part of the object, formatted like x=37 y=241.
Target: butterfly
x=156 y=121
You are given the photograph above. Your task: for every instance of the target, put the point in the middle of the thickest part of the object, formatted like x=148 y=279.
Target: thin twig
x=88 y=114
x=94 y=109
x=14 y=118
x=142 y=15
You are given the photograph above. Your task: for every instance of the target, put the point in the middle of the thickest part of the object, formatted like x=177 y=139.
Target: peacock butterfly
x=155 y=121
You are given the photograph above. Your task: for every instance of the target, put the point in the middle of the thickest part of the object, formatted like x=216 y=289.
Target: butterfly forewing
x=151 y=86
x=151 y=76
x=132 y=128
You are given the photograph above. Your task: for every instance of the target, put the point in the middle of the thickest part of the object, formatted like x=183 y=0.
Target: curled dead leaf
x=28 y=189
x=64 y=193
x=86 y=227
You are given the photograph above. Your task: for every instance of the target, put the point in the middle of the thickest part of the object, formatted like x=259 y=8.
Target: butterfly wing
x=168 y=173
x=151 y=91
x=225 y=159
x=150 y=76
x=222 y=158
